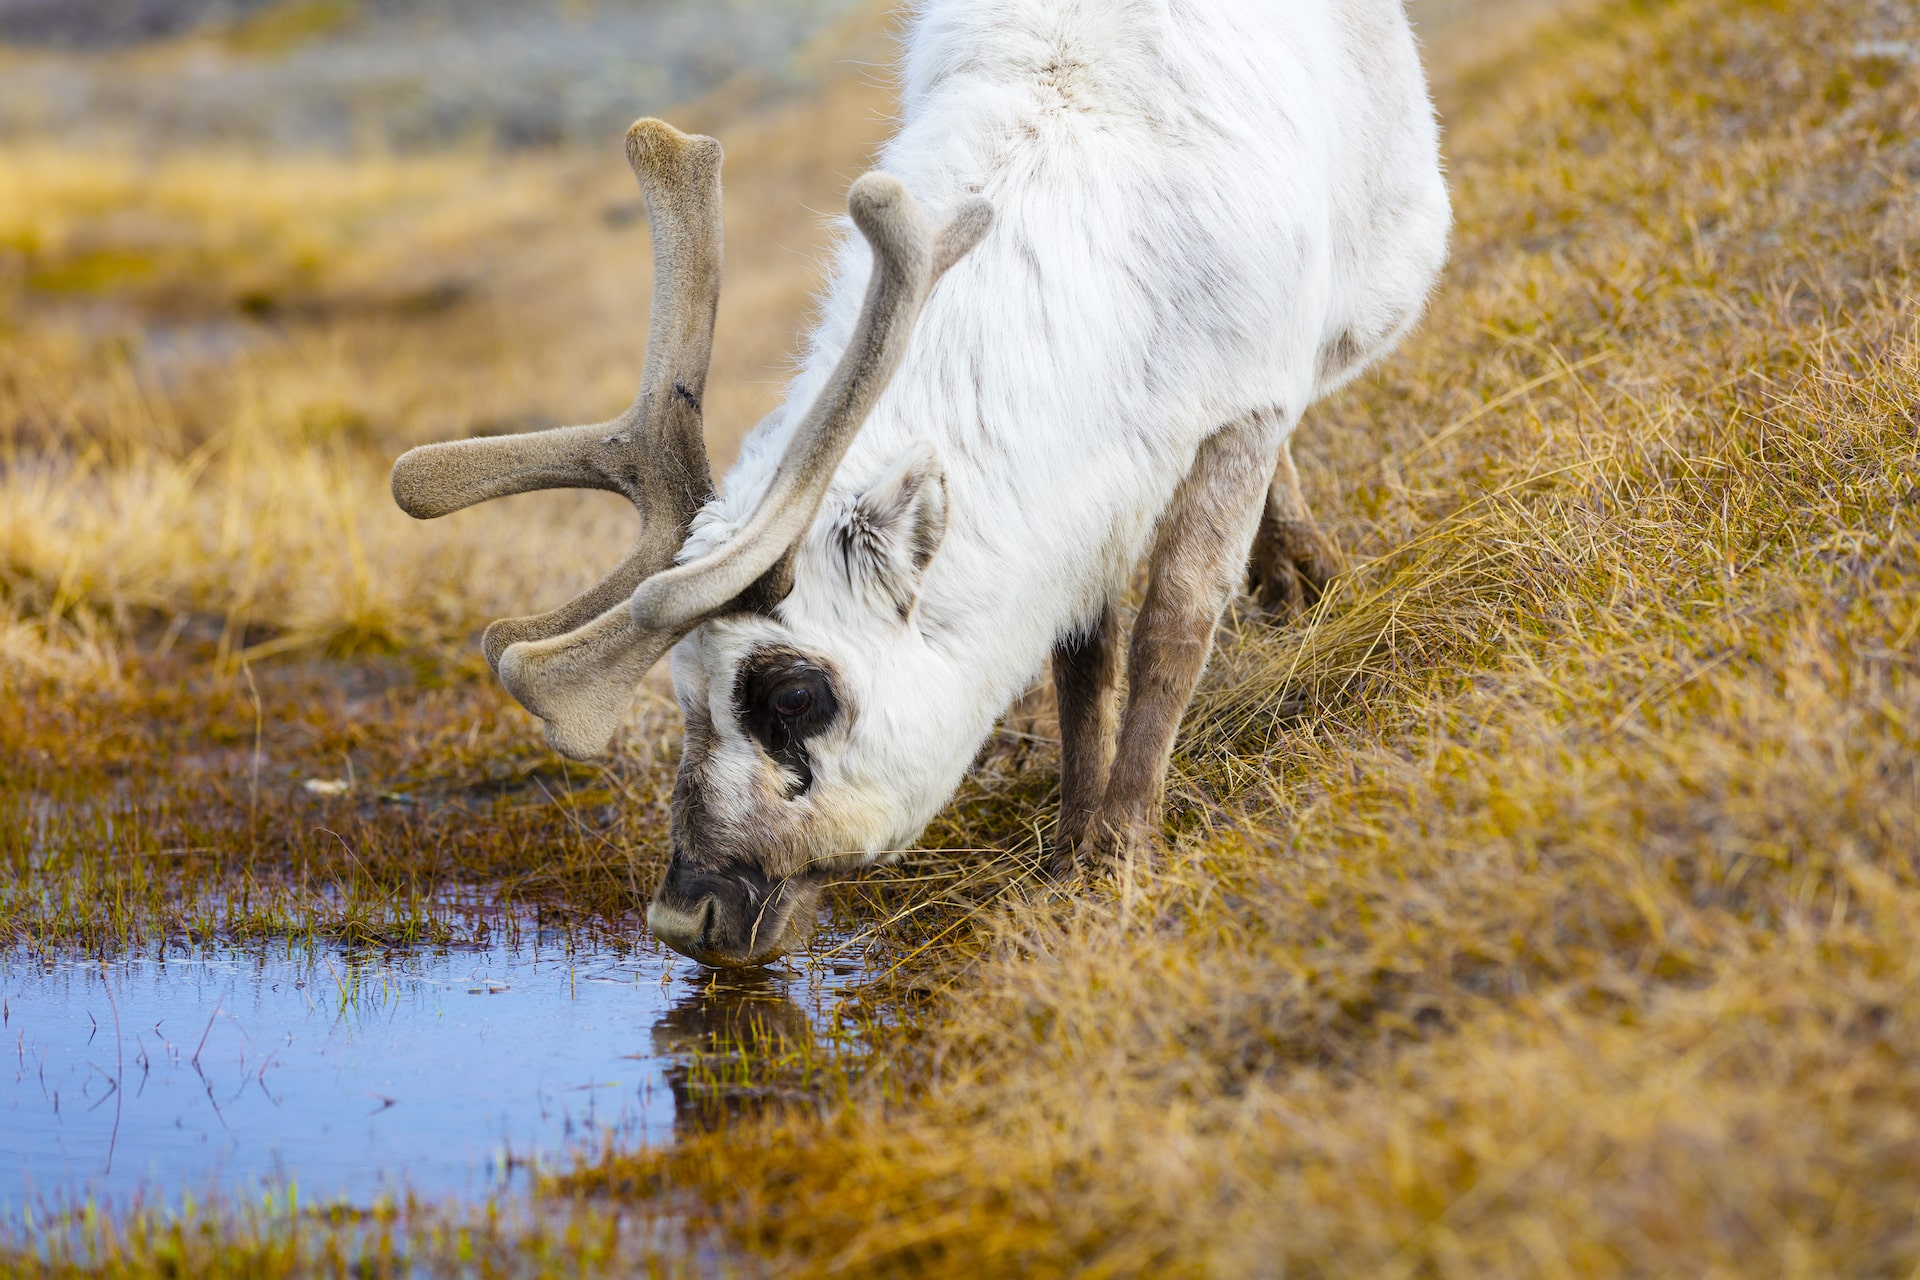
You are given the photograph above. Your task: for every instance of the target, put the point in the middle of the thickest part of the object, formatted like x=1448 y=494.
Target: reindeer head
x=771 y=796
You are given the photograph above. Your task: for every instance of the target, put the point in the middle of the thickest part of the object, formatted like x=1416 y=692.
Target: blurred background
x=251 y=250
x=406 y=75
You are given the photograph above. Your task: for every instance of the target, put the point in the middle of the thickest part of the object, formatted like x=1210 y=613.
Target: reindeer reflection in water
x=737 y=1044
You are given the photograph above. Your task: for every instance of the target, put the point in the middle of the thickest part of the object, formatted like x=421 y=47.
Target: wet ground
x=450 y=1072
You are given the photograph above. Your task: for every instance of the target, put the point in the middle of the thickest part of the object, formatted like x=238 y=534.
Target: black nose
x=726 y=918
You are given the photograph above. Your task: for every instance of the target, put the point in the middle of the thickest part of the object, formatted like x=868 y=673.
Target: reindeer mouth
x=733 y=920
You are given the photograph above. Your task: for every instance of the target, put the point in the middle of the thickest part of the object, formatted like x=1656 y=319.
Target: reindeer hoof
x=1114 y=847
x=1291 y=565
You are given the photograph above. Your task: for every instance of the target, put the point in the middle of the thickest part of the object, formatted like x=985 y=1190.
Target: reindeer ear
x=890 y=533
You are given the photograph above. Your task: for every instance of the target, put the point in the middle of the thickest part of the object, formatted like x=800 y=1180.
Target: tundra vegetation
x=1544 y=901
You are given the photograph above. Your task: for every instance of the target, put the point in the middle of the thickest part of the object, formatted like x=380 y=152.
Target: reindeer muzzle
x=729 y=920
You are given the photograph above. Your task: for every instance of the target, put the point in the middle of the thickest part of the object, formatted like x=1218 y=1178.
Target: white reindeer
x=1166 y=228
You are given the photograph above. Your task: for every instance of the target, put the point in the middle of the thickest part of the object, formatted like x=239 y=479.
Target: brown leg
x=1292 y=560
x=1086 y=672
x=1198 y=556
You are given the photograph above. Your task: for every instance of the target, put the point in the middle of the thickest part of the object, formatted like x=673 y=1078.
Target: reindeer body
x=1204 y=215
x=1202 y=211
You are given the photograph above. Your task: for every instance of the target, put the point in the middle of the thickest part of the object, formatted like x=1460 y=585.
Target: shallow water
x=355 y=1074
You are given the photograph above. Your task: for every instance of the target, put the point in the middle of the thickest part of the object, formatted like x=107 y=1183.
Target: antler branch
x=576 y=666
x=655 y=453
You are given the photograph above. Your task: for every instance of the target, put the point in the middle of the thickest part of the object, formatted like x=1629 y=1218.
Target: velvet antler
x=576 y=668
x=655 y=453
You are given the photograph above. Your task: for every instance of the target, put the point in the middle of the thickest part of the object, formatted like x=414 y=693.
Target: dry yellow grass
x=207 y=363
x=1545 y=904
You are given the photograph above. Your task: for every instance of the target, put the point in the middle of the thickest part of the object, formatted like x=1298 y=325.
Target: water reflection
x=731 y=1045
x=354 y=1074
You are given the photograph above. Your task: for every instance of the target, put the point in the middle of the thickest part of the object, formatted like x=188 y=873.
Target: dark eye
x=784 y=701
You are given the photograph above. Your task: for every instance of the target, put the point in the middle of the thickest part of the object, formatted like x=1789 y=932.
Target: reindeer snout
x=685 y=930
x=729 y=919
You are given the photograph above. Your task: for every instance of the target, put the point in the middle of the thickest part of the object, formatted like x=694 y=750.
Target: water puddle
x=356 y=1074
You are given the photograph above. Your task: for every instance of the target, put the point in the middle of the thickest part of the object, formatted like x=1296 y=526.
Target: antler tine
x=580 y=682
x=655 y=453
x=909 y=258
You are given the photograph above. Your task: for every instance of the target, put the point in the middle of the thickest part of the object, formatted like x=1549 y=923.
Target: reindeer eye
x=785 y=701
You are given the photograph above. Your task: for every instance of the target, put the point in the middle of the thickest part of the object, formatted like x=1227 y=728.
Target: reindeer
x=1163 y=229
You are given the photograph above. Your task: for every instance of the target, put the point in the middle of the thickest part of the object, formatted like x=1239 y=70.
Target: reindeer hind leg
x=1292 y=560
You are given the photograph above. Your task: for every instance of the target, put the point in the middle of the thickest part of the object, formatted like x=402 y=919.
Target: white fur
x=1194 y=201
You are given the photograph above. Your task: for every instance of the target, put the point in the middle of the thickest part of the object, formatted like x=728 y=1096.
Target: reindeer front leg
x=1199 y=557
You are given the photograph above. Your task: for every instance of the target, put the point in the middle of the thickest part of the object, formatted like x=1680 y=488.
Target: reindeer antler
x=576 y=668
x=655 y=453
